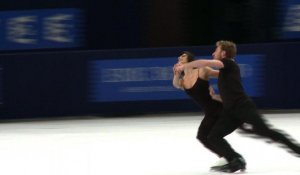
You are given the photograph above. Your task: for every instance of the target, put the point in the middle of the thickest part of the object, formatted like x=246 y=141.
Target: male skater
x=236 y=106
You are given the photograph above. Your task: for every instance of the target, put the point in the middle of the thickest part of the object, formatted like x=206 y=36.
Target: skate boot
x=237 y=164
x=222 y=161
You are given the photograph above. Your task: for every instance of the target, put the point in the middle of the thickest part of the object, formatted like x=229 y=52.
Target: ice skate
x=237 y=164
x=222 y=161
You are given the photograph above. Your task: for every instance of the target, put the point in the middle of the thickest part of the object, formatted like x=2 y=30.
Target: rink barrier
x=134 y=81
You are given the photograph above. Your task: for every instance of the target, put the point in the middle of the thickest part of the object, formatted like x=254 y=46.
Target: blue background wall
x=57 y=83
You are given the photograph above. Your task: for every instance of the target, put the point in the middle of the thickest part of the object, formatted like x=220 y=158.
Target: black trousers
x=211 y=116
x=246 y=112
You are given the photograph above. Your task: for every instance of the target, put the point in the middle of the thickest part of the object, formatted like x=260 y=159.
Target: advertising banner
x=39 y=29
x=151 y=78
x=289 y=19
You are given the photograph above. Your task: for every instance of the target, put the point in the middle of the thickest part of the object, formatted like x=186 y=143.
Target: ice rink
x=140 y=145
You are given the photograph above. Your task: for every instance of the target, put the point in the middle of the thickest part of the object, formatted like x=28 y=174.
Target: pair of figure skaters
x=225 y=113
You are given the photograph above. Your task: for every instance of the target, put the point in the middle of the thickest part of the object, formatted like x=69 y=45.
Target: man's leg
x=260 y=127
x=224 y=126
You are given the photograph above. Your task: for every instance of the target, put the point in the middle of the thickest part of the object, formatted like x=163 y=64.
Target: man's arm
x=214 y=95
x=212 y=73
x=200 y=63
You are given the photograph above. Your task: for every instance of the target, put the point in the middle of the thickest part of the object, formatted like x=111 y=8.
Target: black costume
x=212 y=108
x=238 y=108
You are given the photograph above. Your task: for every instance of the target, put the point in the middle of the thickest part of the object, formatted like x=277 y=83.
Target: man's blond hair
x=228 y=46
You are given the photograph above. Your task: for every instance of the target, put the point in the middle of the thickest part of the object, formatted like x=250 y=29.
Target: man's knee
x=202 y=137
x=213 y=138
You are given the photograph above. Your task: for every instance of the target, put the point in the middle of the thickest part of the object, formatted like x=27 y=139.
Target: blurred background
x=118 y=24
x=88 y=57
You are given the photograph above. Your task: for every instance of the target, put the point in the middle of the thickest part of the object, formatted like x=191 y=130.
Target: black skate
x=237 y=164
x=222 y=161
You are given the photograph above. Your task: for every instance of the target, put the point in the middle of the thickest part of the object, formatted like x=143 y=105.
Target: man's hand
x=175 y=69
x=179 y=67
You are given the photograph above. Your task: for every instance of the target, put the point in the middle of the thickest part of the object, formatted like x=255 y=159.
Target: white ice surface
x=145 y=145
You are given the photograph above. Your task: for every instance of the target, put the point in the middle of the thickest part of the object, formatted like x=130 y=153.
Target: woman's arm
x=177 y=80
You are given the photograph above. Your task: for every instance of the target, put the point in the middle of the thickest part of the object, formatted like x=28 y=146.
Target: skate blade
x=241 y=171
